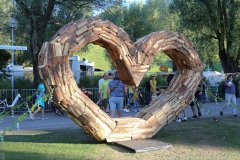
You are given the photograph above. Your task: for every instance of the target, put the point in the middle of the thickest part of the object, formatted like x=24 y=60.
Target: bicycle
x=5 y=106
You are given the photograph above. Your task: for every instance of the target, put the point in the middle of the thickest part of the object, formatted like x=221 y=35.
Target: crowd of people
x=113 y=92
x=230 y=97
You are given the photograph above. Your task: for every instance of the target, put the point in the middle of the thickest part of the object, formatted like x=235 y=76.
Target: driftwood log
x=132 y=60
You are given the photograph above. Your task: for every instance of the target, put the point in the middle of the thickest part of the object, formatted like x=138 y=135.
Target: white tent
x=214 y=77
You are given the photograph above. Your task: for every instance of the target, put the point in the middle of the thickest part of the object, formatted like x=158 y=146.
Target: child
x=39 y=101
x=136 y=99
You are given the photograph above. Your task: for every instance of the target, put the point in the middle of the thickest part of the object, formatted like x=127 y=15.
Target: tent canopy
x=214 y=77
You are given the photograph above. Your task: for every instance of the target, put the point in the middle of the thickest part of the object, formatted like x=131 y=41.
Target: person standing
x=116 y=93
x=99 y=82
x=198 y=98
x=169 y=78
x=193 y=104
x=129 y=98
x=239 y=89
x=103 y=92
x=136 y=99
x=203 y=89
x=153 y=87
x=39 y=101
x=230 y=96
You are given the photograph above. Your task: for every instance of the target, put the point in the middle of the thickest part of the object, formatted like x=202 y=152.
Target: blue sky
x=130 y=1
x=127 y=2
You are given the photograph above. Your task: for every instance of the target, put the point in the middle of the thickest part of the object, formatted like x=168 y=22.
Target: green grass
x=194 y=139
x=59 y=144
x=97 y=54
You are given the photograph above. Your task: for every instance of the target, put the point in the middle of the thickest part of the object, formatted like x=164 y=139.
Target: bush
x=19 y=83
x=89 y=82
x=5 y=83
x=22 y=83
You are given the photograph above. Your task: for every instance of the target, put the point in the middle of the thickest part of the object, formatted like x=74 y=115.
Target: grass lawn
x=97 y=54
x=194 y=139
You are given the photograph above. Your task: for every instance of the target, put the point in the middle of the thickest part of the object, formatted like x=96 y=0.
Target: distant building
x=81 y=68
x=20 y=71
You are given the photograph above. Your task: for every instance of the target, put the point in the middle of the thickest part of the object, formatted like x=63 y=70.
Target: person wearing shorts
x=116 y=93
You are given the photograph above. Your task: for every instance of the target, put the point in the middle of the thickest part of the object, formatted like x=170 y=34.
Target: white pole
x=12 y=82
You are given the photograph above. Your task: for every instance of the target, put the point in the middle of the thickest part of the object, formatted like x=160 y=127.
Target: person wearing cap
x=40 y=100
x=153 y=86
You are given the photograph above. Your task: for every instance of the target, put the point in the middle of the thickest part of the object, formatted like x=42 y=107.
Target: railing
x=7 y=94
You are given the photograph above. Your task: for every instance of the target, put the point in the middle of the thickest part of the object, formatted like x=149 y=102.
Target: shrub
x=89 y=82
x=19 y=83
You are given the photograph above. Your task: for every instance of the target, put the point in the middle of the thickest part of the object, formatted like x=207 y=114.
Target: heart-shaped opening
x=132 y=61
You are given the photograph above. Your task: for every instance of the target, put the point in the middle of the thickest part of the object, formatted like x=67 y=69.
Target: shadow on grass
x=119 y=148
x=72 y=136
x=203 y=132
x=37 y=156
x=197 y=132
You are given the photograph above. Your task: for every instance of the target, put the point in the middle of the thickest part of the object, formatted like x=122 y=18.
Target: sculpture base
x=145 y=145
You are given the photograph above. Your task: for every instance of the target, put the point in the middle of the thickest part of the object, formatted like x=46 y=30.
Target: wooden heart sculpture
x=132 y=61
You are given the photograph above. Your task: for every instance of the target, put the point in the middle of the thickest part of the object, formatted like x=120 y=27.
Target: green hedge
x=89 y=82
x=19 y=83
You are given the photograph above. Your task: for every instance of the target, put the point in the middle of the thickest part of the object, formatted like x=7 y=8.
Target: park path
x=62 y=122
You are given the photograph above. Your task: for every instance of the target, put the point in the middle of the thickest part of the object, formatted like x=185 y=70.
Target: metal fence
x=7 y=94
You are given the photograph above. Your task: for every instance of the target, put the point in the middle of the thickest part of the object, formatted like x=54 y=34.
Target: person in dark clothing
x=198 y=98
x=169 y=78
x=230 y=96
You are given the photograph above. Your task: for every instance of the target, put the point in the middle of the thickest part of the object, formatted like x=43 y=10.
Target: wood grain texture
x=132 y=60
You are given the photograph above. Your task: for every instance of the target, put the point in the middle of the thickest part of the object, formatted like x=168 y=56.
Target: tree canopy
x=212 y=26
x=216 y=22
x=40 y=19
x=4 y=58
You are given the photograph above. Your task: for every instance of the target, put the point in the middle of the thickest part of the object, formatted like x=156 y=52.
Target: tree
x=39 y=15
x=4 y=58
x=5 y=11
x=139 y=19
x=216 y=20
